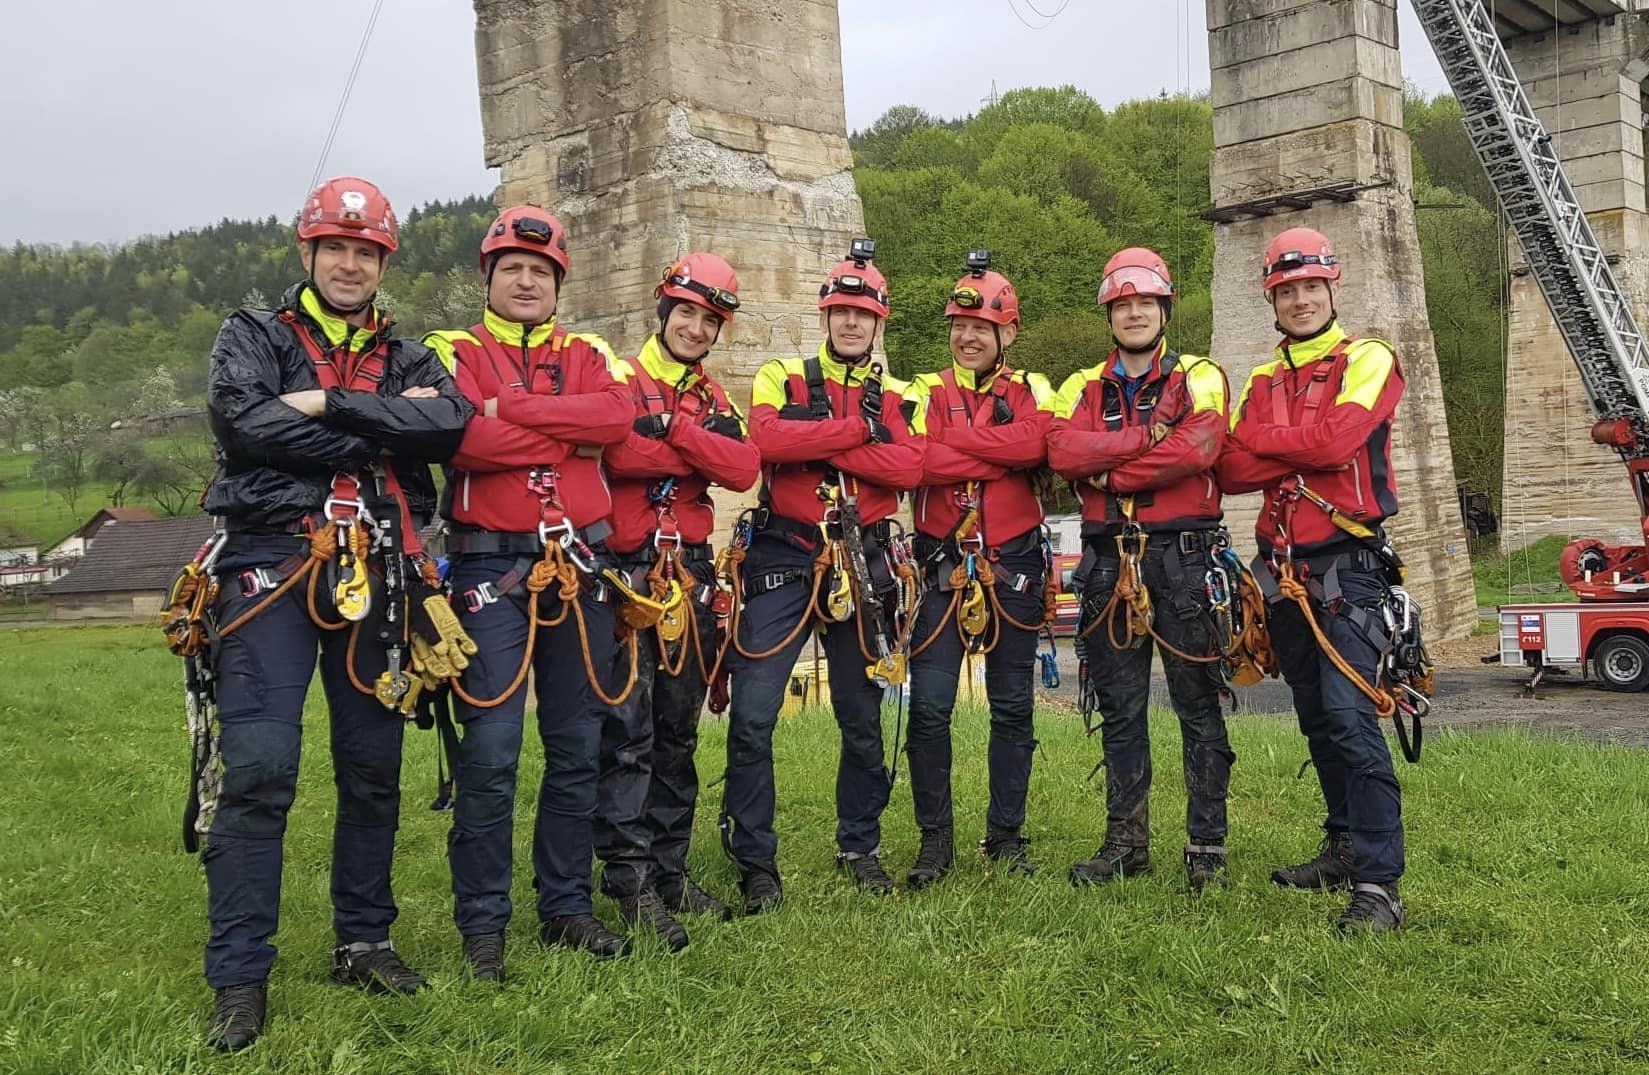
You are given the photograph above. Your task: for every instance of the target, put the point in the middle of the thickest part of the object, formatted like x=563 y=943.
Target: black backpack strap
x=818 y=400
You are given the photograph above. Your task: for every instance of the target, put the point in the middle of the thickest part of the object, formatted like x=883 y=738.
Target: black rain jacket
x=275 y=465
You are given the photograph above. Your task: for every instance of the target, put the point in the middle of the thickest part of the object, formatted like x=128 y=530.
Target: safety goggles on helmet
x=1295 y=259
x=853 y=284
x=968 y=298
x=531 y=229
x=1133 y=280
x=720 y=298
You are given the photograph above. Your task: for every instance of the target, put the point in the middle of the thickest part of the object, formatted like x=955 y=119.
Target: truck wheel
x=1622 y=663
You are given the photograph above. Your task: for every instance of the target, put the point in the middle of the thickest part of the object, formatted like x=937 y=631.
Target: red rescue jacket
x=705 y=442
x=1321 y=410
x=556 y=392
x=991 y=435
x=1095 y=430
x=804 y=433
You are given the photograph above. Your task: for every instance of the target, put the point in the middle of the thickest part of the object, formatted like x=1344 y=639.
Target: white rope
x=343 y=99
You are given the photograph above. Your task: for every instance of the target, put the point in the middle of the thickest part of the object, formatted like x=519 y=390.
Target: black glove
x=725 y=424
x=878 y=432
x=651 y=426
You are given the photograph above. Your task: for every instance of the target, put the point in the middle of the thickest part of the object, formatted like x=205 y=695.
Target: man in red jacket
x=528 y=476
x=686 y=437
x=830 y=425
x=1312 y=430
x=979 y=541
x=1139 y=433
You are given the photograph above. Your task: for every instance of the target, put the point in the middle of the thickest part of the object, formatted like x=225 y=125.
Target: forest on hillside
x=1050 y=180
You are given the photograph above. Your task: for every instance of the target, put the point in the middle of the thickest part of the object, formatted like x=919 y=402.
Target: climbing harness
x=1404 y=674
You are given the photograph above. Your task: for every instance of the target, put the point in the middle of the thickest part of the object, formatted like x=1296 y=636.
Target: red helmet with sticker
x=1135 y=271
x=349 y=208
x=1300 y=254
x=527 y=228
x=704 y=279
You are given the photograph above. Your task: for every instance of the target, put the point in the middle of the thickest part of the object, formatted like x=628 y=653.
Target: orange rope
x=590 y=672
x=322 y=546
x=1384 y=704
x=552 y=568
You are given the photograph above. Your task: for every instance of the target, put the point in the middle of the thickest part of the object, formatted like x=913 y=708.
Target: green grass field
x=1495 y=574
x=1526 y=950
x=45 y=520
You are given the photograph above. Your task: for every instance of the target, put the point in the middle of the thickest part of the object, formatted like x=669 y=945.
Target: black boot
x=683 y=896
x=646 y=910
x=583 y=932
x=867 y=872
x=374 y=967
x=1205 y=865
x=762 y=889
x=933 y=858
x=237 y=1016
x=484 y=952
x=1374 y=909
x=1008 y=848
x=1110 y=862
x=1331 y=869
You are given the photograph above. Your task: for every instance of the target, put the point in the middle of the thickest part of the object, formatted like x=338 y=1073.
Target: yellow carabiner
x=640 y=611
x=839 y=604
x=887 y=672
x=353 y=593
x=975 y=616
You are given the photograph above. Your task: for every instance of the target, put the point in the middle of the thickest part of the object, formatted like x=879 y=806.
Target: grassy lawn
x=1529 y=864
x=45 y=520
x=1497 y=573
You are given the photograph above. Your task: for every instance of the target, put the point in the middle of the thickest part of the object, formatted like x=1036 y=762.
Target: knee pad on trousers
x=260 y=781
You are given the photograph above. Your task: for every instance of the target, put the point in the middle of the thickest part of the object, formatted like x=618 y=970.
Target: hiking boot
x=933 y=859
x=1374 y=909
x=237 y=1016
x=374 y=967
x=1205 y=865
x=1006 y=846
x=583 y=932
x=1110 y=862
x=762 y=890
x=683 y=896
x=1330 y=870
x=484 y=952
x=645 y=909
x=867 y=872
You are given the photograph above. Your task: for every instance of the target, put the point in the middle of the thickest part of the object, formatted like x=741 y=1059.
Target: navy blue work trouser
x=1342 y=732
x=1009 y=688
x=649 y=785
x=480 y=844
x=758 y=686
x=1176 y=582
x=265 y=668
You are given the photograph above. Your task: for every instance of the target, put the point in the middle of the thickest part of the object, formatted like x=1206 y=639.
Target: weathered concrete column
x=1308 y=130
x=1556 y=480
x=655 y=127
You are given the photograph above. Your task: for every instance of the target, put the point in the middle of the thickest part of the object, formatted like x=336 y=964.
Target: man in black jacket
x=318 y=414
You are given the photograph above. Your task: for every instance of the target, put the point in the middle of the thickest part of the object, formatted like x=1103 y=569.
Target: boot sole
x=622 y=950
x=1334 y=886
x=379 y=987
x=1084 y=881
x=225 y=1045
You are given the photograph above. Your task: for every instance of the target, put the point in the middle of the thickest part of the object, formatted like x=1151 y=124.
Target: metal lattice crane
x=1564 y=256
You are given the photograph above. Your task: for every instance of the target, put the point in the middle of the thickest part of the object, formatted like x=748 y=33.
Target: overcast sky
x=121 y=119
